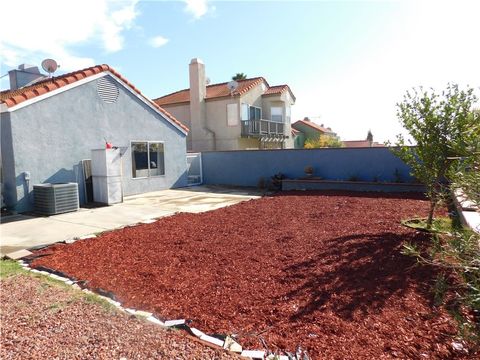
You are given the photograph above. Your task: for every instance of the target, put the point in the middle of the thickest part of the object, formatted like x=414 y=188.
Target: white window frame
x=244 y=107
x=148 y=142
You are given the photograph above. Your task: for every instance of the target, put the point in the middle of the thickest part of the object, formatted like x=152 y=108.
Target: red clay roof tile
x=312 y=125
x=278 y=89
x=361 y=143
x=213 y=91
x=14 y=97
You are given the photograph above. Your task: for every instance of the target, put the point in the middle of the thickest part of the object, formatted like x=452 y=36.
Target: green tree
x=239 y=76
x=437 y=124
x=323 y=141
x=370 y=137
x=466 y=174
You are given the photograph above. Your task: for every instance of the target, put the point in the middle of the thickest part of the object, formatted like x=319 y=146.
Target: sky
x=347 y=62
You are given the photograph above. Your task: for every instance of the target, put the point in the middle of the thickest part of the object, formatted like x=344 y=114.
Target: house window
x=277 y=114
x=255 y=113
x=148 y=159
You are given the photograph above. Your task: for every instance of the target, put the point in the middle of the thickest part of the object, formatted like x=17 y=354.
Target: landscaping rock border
x=231 y=346
x=469 y=213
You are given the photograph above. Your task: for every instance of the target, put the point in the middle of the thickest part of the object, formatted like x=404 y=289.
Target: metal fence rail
x=194 y=169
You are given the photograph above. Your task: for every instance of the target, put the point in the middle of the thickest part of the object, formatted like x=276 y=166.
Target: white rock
x=174 y=322
x=15 y=255
x=143 y=313
x=148 y=221
x=212 y=340
x=155 y=321
x=253 y=354
x=458 y=346
x=85 y=237
x=59 y=278
x=232 y=345
x=131 y=311
x=277 y=357
x=197 y=332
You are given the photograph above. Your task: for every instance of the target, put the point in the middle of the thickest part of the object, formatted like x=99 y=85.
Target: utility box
x=107 y=176
x=52 y=199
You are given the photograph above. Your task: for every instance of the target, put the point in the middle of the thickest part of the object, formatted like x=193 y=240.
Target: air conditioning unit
x=51 y=199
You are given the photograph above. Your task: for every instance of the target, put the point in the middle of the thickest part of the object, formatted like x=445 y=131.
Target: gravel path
x=41 y=320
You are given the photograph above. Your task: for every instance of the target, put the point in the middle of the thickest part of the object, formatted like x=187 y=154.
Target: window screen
x=148 y=159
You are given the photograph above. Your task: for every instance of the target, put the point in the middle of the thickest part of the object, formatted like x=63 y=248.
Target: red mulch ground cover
x=322 y=270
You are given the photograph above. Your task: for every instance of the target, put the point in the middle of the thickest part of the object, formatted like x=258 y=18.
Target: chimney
x=198 y=86
x=24 y=75
x=306 y=118
x=202 y=137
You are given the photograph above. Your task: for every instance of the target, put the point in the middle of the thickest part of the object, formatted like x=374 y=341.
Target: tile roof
x=14 y=97
x=295 y=131
x=213 y=91
x=312 y=125
x=278 y=89
x=221 y=90
x=361 y=143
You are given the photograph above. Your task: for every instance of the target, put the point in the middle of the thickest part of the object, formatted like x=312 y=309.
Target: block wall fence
x=246 y=168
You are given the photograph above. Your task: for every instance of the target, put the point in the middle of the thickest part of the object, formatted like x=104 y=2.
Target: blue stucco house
x=49 y=128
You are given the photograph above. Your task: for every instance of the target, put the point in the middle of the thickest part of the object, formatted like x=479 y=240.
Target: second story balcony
x=262 y=127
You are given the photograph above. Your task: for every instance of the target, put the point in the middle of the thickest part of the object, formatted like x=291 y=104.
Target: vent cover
x=107 y=90
x=51 y=199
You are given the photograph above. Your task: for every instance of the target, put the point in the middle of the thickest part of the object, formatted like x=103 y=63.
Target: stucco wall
x=229 y=137
x=51 y=137
x=182 y=114
x=245 y=168
x=226 y=137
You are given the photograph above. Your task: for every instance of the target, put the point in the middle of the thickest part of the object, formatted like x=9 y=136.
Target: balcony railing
x=261 y=127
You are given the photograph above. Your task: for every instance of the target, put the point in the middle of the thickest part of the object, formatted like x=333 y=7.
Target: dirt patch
x=319 y=270
x=44 y=321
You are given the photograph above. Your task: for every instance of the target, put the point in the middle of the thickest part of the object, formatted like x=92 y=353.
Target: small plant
x=397 y=176
x=308 y=170
x=277 y=181
x=261 y=184
x=456 y=255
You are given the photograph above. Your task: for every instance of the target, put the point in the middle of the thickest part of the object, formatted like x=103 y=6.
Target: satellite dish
x=50 y=66
x=232 y=86
x=207 y=81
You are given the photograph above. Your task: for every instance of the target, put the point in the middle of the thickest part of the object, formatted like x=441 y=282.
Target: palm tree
x=239 y=76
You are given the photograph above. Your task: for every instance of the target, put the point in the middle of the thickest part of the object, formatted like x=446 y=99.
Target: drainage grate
x=107 y=90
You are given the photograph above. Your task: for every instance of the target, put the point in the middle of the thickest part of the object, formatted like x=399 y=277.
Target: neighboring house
x=298 y=139
x=308 y=130
x=48 y=128
x=250 y=114
x=368 y=142
x=361 y=143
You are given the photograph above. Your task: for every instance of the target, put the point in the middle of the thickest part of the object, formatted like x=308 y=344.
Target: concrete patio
x=26 y=231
